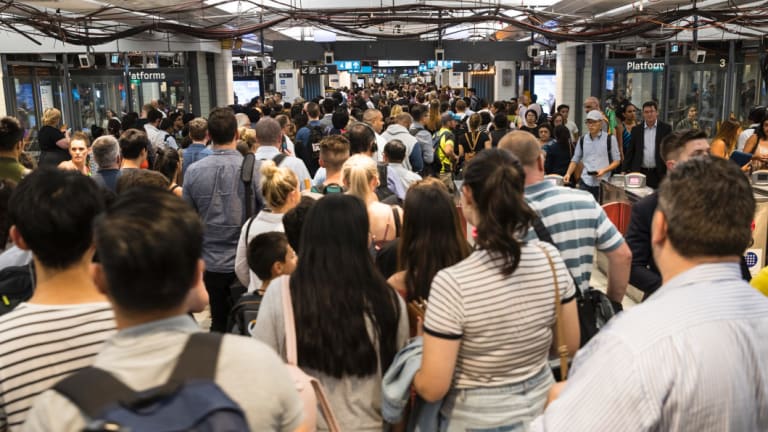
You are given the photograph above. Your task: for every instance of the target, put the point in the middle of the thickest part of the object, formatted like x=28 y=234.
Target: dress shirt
x=649 y=145
x=594 y=154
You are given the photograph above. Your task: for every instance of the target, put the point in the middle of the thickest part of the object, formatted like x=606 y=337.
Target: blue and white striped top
x=577 y=225
x=692 y=358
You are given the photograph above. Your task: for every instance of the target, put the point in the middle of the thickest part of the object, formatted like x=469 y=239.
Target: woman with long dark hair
x=559 y=153
x=432 y=239
x=349 y=322
x=488 y=329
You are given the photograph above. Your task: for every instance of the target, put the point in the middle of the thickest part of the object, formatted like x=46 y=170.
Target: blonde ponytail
x=358 y=171
x=276 y=184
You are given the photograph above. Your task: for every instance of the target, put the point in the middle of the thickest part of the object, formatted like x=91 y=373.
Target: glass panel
x=92 y=96
x=633 y=86
x=699 y=87
x=26 y=110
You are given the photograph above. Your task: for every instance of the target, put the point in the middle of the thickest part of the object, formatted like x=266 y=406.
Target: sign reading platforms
x=318 y=70
x=147 y=76
x=645 y=66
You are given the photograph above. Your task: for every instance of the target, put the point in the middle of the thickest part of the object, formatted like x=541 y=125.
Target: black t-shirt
x=496 y=136
x=468 y=140
x=48 y=136
x=534 y=130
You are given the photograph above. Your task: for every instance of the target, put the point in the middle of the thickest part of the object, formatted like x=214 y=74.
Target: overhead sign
x=471 y=67
x=146 y=76
x=645 y=66
x=318 y=70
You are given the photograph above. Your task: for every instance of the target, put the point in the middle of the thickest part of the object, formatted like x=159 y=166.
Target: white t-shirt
x=263 y=222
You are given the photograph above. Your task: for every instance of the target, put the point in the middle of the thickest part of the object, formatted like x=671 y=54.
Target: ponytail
x=358 y=171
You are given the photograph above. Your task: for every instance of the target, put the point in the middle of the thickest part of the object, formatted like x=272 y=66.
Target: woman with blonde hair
x=724 y=142
x=79 y=149
x=432 y=124
x=280 y=190
x=361 y=177
x=54 y=144
x=247 y=142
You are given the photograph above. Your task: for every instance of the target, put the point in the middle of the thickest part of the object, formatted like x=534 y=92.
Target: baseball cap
x=446 y=117
x=594 y=115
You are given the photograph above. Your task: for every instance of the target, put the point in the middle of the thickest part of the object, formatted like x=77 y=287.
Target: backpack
x=189 y=400
x=330 y=188
x=246 y=176
x=383 y=192
x=311 y=154
x=610 y=156
x=16 y=286
x=243 y=314
x=437 y=164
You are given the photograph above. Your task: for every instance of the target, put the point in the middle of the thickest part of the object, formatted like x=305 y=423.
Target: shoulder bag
x=562 y=348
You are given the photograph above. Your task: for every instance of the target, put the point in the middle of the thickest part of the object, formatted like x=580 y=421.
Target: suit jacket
x=633 y=159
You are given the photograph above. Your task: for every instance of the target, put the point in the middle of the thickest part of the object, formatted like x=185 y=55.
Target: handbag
x=562 y=348
x=310 y=389
x=595 y=308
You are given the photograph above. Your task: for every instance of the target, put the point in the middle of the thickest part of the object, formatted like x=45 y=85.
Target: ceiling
x=90 y=22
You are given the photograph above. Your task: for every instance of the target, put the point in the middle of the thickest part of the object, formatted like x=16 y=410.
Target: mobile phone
x=592 y=173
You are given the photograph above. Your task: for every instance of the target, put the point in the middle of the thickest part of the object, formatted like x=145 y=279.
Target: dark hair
x=546 y=126
x=154 y=115
x=334 y=343
x=167 y=162
x=6 y=189
x=312 y=110
x=536 y=114
x=563 y=137
x=222 y=126
x=361 y=138
x=293 y=221
x=11 y=133
x=149 y=242
x=760 y=131
x=395 y=151
x=129 y=121
x=264 y=251
x=756 y=114
x=166 y=124
x=132 y=142
x=651 y=103
x=500 y=106
x=340 y=119
x=54 y=212
x=113 y=127
x=329 y=105
x=719 y=225
x=485 y=117
x=496 y=180
x=432 y=237
x=562 y=106
x=672 y=143
x=417 y=112
x=140 y=178
x=501 y=121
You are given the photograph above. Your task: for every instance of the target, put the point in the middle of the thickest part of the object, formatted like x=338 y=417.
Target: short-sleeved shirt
x=577 y=225
x=11 y=169
x=468 y=140
x=504 y=322
x=445 y=161
x=144 y=356
x=594 y=153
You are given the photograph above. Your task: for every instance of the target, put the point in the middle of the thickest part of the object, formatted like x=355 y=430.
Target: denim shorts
x=509 y=408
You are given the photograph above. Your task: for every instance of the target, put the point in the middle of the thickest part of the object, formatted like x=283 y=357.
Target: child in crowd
x=270 y=256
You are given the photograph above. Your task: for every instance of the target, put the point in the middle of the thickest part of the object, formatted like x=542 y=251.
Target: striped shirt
x=577 y=225
x=504 y=322
x=691 y=358
x=41 y=344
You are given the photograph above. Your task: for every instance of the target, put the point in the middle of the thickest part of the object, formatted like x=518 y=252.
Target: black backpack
x=383 y=192
x=16 y=286
x=311 y=155
x=190 y=400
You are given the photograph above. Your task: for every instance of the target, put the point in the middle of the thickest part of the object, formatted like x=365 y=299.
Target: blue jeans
x=508 y=408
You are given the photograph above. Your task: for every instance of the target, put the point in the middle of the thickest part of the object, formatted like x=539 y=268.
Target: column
x=225 y=93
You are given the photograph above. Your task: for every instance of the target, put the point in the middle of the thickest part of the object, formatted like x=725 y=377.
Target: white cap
x=595 y=115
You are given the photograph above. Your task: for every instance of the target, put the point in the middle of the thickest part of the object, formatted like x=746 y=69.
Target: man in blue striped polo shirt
x=573 y=218
x=692 y=357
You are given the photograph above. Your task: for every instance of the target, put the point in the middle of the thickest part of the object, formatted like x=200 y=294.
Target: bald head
x=591 y=104
x=268 y=132
x=523 y=145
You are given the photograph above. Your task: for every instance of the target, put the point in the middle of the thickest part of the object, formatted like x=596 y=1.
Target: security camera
x=85 y=60
x=328 y=57
x=697 y=56
x=439 y=54
x=533 y=51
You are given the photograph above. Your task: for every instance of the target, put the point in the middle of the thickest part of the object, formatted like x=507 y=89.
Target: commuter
x=308 y=139
x=474 y=101
x=564 y=110
x=472 y=141
x=334 y=151
x=724 y=142
x=394 y=157
x=131 y=179
x=593 y=104
x=360 y=179
x=545 y=134
x=462 y=114
x=168 y=131
x=270 y=138
x=424 y=138
x=644 y=153
x=155 y=333
x=433 y=239
x=690 y=358
x=106 y=153
x=11 y=146
x=577 y=224
x=154 y=134
x=757 y=144
x=446 y=151
x=559 y=153
x=488 y=326
x=114 y=127
x=134 y=147
x=339 y=122
x=329 y=107
x=54 y=144
x=79 y=150
x=599 y=153
x=375 y=119
x=690 y=121
x=501 y=127
x=269 y=257
x=168 y=164
x=214 y=188
x=523 y=108
x=626 y=113
x=433 y=120
x=293 y=221
x=400 y=130
x=756 y=116
x=531 y=124
x=62 y=327
x=280 y=189
x=346 y=352
x=198 y=132
x=677 y=147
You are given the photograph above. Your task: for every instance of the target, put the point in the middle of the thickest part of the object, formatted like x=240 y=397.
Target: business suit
x=633 y=159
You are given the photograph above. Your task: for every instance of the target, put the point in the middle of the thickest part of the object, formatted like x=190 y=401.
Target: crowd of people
x=328 y=241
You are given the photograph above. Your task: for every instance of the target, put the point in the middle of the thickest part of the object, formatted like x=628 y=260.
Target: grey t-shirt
x=355 y=401
x=144 y=356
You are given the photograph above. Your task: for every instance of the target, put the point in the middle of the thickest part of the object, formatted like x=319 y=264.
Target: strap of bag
x=198 y=358
x=279 y=158
x=396 y=215
x=562 y=349
x=543 y=234
x=246 y=176
x=292 y=357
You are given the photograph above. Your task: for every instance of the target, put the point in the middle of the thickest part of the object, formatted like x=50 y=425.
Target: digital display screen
x=633 y=181
x=545 y=87
x=610 y=78
x=245 y=90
